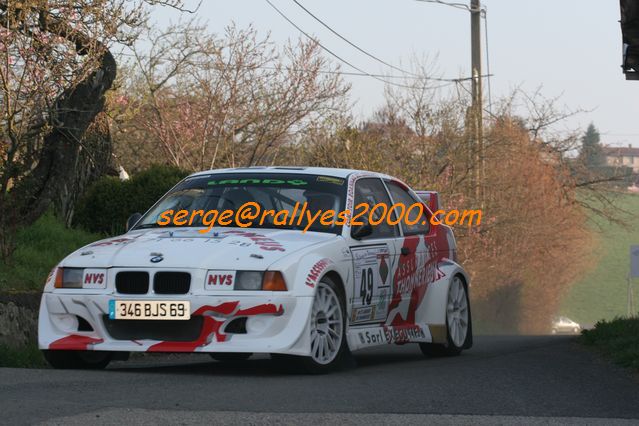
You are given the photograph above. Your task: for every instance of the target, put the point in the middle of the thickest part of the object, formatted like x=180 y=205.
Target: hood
x=182 y=248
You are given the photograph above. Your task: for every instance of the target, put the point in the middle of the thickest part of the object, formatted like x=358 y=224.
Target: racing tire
x=458 y=323
x=329 y=348
x=78 y=360
x=230 y=356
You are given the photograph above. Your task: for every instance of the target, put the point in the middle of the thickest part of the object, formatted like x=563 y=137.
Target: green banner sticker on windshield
x=330 y=179
x=226 y=182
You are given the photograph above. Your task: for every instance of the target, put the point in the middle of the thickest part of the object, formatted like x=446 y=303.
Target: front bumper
x=272 y=324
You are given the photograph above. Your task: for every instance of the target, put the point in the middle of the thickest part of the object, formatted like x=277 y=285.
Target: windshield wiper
x=149 y=225
x=155 y=225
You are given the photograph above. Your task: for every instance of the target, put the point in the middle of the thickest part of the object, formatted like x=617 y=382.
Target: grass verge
x=39 y=248
x=25 y=357
x=617 y=339
x=602 y=292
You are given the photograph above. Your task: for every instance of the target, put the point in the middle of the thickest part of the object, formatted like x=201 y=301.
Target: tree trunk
x=94 y=160
x=74 y=111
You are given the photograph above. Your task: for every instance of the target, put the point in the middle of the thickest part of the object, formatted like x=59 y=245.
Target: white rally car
x=270 y=288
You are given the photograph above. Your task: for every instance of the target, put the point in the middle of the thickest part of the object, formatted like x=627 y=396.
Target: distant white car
x=272 y=288
x=564 y=325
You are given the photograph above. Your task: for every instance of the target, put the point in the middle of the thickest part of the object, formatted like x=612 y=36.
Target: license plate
x=149 y=309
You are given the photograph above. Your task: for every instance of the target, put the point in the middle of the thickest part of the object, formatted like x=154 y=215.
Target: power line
x=461 y=6
x=335 y=55
x=376 y=58
x=360 y=72
x=484 y=15
x=333 y=72
x=370 y=55
x=447 y=82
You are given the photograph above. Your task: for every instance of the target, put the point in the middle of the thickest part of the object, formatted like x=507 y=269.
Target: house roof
x=621 y=151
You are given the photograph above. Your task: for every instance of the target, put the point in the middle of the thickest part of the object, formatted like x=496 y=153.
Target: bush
x=109 y=202
x=25 y=357
x=39 y=248
x=617 y=339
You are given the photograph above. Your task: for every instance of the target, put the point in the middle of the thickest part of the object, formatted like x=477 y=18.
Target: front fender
x=304 y=270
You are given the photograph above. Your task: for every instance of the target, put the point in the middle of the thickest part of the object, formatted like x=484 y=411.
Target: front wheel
x=458 y=329
x=327 y=329
x=82 y=360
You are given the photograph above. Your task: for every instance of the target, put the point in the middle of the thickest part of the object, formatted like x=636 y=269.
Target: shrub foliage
x=617 y=339
x=109 y=202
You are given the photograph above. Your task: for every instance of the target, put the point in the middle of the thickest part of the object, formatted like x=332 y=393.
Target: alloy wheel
x=327 y=325
x=457 y=312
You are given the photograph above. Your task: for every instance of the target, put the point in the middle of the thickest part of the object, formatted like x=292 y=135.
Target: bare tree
x=216 y=101
x=55 y=68
x=533 y=241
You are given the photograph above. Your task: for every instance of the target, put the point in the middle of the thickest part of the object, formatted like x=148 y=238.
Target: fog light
x=65 y=322
x=256 y=325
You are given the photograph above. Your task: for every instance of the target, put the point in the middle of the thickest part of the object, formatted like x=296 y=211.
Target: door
x=417 y=259
x=374 y=257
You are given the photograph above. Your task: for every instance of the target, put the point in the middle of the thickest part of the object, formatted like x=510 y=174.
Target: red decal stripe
x=226 y=308
x=211 y=326
x=74 y=342
x=267 y=308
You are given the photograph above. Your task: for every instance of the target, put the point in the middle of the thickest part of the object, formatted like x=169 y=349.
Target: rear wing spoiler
x=431 y=198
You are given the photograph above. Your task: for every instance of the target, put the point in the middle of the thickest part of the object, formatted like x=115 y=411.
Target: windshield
x=281 y=200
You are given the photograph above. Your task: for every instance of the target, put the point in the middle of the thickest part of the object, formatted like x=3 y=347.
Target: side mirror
x=132 y=220
x=361 y=231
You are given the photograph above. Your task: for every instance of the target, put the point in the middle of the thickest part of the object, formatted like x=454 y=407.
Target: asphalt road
x=502 y=380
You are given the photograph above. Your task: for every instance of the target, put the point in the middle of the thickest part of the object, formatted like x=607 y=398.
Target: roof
x=325 y=171
x=621 y=151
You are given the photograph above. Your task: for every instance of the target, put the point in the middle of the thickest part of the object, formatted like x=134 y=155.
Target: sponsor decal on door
x=372 y=266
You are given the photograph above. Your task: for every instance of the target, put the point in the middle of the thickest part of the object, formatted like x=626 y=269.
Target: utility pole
x=477 y=97
x=630 y=304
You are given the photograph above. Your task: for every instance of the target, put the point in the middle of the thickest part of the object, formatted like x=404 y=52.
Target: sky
x=568 y=48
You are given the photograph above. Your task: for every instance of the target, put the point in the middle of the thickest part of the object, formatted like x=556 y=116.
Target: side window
x=401 y=196
x=372 y=191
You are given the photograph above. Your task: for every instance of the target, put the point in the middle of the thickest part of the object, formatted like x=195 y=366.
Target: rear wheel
x=82 y=360
x=230 y=356
x=457 y=322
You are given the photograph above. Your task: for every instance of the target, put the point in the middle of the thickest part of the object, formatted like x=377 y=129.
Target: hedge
x=109 y=202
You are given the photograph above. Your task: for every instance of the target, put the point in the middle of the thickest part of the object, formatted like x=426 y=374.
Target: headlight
x=69 y=278
x=254 y=280
x=248 y=280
